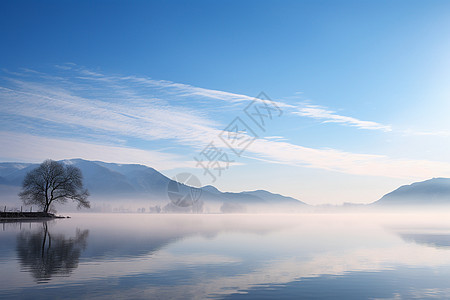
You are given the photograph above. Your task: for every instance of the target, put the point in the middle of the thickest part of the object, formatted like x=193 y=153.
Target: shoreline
x=27 y=216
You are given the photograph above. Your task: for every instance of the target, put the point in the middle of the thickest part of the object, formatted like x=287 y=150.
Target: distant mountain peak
x=211 y=189
x=135 y=182
x=431 y=191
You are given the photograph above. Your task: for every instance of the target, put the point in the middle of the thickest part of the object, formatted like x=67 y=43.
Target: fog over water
x=231 y=255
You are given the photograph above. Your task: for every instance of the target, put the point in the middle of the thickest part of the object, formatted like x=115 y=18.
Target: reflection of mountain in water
x=44 y=254
x=432 y=240
x=122 y=236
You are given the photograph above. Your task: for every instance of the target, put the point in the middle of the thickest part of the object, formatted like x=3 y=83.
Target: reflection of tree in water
x=45 y=255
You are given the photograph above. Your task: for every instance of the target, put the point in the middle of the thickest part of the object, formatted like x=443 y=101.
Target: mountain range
x=131 y=183
x=125 y=184
x=434 y=191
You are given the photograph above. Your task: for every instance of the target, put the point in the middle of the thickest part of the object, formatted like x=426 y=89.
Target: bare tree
x=54 y=182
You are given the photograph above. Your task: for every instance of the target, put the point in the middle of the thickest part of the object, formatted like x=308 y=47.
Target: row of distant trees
x=54 y=182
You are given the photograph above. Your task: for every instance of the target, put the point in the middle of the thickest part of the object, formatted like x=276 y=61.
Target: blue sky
x=363 y=87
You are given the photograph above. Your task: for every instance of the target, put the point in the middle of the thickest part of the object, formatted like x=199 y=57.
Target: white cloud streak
x=28 y=148
x=120 y=110
x=347 y=162
x=328 y=116
x=130 y=118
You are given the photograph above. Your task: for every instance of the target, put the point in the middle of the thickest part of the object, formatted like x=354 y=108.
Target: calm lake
x=156 y=256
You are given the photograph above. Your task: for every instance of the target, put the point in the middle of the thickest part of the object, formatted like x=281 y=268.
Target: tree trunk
x=44 y=240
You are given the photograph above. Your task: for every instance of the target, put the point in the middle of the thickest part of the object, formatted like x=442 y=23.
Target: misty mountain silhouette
x=430 y=192
x=133 y=181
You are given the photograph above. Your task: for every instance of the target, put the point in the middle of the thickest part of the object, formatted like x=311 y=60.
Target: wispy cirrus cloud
x=348 y=162
x=128 y=107
x=329 y=116
x=30 y=148
x=181 y=89
x=133 y=116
